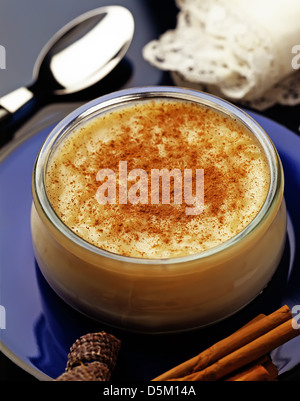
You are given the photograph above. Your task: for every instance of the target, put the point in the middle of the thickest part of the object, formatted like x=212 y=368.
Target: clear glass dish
x=158 y=295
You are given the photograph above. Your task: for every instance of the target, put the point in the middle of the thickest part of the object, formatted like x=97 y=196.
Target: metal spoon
x=76 y=58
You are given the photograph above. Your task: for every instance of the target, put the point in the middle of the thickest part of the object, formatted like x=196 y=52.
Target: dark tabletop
x=26 y=25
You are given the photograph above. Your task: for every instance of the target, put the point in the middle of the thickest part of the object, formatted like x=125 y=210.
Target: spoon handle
x=15 y=109
x=4 y=114
x=5 y=133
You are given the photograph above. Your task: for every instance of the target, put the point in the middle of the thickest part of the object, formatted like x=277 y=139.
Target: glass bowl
x=158 y=295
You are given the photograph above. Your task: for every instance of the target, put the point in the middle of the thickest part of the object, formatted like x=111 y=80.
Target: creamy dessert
x=148 y=138
x=158 y=209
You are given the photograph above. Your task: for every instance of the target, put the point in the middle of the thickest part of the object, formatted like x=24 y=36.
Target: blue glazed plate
x=40 y=327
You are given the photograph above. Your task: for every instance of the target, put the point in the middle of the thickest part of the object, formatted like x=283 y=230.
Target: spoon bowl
x=76 y=58
x=85 y=50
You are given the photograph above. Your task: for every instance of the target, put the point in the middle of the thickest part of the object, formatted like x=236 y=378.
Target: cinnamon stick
x=261 y=370
x=272 y=369
x=254 y=373
x=226 y=346
x=246 y=354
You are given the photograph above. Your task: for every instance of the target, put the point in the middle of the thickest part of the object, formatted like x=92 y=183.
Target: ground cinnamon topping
x=159 y=135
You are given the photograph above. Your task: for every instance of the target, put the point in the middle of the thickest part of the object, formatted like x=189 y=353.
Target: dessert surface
x=158 y=179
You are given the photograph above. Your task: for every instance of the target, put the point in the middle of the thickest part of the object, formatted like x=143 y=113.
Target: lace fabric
x=222 y=47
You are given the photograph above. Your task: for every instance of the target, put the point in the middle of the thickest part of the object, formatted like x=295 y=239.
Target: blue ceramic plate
x=40 y=327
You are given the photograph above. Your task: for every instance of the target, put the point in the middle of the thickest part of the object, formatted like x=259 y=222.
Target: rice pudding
x=143 y=258
x=152 y=136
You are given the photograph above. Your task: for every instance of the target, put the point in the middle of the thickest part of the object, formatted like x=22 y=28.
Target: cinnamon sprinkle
x=157 y=135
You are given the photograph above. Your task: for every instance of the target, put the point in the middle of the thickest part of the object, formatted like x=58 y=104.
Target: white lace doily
x=237 y=49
